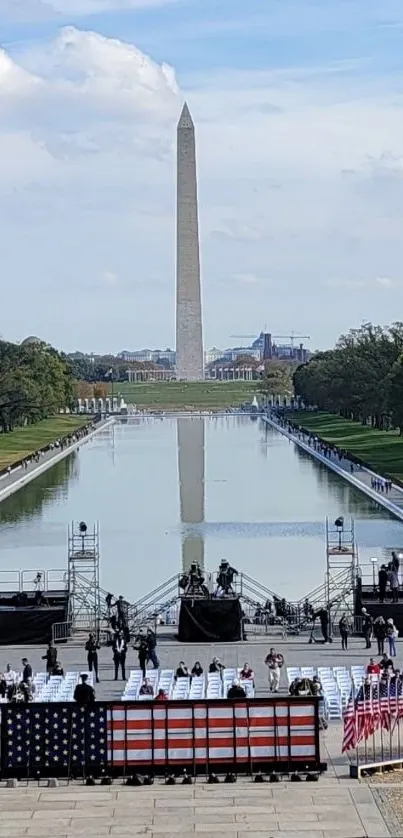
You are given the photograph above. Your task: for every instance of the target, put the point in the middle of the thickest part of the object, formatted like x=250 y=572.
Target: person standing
x=394 y=583
x=27 y=670
x=392 y=634
x=382 y=582
x=50 y=657
x=380 y=633
x=91 y=647
x=367 y=626
x=141 y=644
x=10 y=678
x=344 y=631
x=119 y=648
x=84 y=694
x=152 y=646
x=274 y=661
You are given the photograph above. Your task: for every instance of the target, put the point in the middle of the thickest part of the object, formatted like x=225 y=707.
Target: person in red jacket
x=161 y=696
x=373 y=668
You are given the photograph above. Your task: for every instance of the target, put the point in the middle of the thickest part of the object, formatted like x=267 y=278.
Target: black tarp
x=202 y=620
x=28 y=626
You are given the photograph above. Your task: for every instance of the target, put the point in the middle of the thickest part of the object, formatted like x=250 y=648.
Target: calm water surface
x=168 y=490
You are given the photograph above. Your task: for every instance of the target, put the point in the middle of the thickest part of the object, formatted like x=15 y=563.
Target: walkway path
x=19 y=476
x=361 y=477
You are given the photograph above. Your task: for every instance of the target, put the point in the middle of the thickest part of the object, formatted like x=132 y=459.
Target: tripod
x=40 y=596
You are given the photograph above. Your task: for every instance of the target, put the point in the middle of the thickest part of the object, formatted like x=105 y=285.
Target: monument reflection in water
x=191 y=436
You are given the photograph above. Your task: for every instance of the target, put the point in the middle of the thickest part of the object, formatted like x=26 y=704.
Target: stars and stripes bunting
x=62 y=740
x=52 y=739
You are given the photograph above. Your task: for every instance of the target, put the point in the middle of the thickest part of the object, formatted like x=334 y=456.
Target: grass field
x=179 y=395
x=24 y=441
x=382 y=451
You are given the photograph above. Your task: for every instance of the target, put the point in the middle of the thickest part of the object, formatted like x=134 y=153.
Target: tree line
x=36 y=382
x=105 y=367
x=361 y=378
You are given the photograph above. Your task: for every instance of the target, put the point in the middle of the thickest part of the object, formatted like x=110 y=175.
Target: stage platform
x=26 y=619
x=369 y=599
x=210 y=619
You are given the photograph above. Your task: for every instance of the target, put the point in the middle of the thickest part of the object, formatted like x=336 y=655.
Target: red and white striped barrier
x=208 y=733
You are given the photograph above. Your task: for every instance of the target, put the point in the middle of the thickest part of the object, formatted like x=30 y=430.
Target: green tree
x=35 y=382
x=277 y=378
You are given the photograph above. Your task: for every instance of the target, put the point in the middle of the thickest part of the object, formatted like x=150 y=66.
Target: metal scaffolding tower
x=341 y=567
x=83 y=578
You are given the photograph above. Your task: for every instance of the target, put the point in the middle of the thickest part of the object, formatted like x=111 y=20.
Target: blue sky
x=299 y=117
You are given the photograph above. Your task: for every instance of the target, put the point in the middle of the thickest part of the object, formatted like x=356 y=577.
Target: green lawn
x=24 y=441
x=381 y=450
x=178 y=395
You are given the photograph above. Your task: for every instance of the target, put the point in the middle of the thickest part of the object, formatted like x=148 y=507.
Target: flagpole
x=365 y=722
x=373 y=721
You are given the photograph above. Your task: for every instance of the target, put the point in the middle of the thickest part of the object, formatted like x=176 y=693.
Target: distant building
x=31 y=340
x=212 y=355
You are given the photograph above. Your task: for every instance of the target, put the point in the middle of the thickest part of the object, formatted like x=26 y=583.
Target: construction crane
x=291 y=337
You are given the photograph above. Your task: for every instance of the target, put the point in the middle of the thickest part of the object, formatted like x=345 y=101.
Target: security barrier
x=271 y=734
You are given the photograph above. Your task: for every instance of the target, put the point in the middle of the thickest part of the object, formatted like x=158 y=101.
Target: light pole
x=374 y=562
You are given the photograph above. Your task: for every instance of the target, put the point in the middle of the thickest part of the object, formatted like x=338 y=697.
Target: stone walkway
x=360 y=477
x=244 y=810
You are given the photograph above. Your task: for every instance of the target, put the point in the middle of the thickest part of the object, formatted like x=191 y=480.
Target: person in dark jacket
x=382 y=582
x=236 y=691
x=367 y=626
x=84 y=694
x=197 y=670
x=182 y=670
x=380 y=632
x=27 y=670
x=344 y=629
x=152 y=646
x=119 y=648
x=91 y=647
x=141 y=644
x=50 y=657
x=216 y=666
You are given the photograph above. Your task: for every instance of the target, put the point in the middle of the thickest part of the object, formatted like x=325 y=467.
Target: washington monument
x=189 y=336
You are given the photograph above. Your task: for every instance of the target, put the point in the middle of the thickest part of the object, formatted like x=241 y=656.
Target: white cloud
x=386 y=282
x=299 y=179
x=380 y=282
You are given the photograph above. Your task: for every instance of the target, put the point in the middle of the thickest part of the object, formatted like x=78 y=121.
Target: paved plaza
x=328 y=809
x=335 y=807
x=296 y=650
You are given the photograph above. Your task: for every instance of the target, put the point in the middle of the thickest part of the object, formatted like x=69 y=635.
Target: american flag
x=350 y=725
x=376 y=705
x=39 y=739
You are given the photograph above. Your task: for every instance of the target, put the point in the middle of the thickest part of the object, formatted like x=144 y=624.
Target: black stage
x=210 y=620
x=23 y=621
x=366 y=597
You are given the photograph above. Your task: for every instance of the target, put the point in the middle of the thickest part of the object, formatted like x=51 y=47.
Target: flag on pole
x=350 y=725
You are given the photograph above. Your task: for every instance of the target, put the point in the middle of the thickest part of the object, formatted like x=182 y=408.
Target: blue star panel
x=53 y=740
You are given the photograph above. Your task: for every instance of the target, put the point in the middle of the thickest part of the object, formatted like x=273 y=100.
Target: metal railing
x=61 y=631
x=25 y=581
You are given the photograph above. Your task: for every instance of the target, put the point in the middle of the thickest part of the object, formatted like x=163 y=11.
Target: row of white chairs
x=210 y=686
x=336 y=685
x=58 y=687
